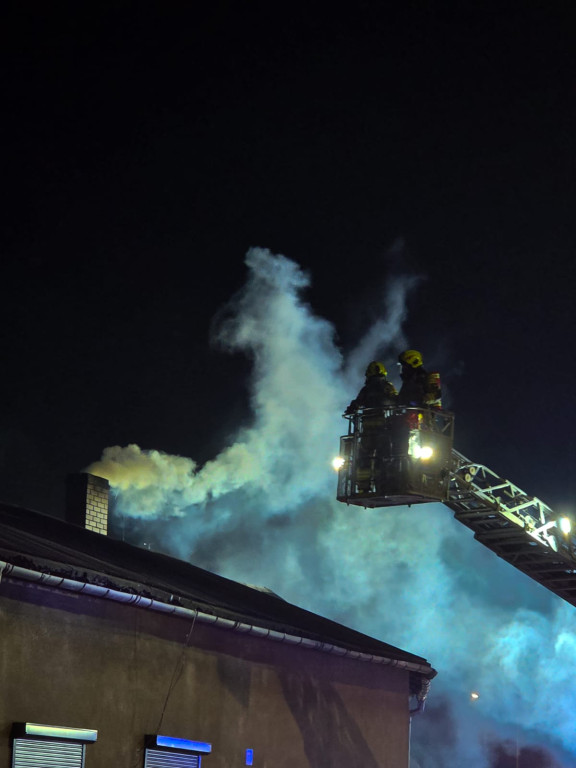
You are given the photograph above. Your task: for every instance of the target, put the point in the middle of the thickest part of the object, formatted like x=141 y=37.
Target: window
x=29 y=753
x=169 y=752
x=49 y=746
x=160 y=758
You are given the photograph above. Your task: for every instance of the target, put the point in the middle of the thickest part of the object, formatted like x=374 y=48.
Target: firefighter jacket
x=377 y=392
x=419 y=388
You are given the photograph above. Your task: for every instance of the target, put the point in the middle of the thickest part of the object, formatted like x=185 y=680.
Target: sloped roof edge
x=94 y=590
x=51 y=551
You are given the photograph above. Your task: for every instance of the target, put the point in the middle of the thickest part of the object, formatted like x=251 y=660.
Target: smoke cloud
x=263 y=512
x=299 y=389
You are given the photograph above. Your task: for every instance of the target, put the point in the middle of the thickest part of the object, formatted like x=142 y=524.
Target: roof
x=46 y=544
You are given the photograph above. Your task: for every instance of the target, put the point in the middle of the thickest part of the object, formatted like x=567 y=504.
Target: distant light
x=249 y=757
x=565 y=524
x=338 y=463
x=474 y=696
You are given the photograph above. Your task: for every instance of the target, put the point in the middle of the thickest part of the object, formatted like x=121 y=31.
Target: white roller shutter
x=156 y=758
x=39 y=753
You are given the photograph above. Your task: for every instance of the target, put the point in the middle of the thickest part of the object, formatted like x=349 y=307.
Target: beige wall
x=85 y=662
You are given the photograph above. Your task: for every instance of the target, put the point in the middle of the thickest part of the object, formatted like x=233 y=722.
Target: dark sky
x=147 y=146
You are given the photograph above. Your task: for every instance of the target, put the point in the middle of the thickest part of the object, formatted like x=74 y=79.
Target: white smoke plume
x=299 y=390
x=263 y=512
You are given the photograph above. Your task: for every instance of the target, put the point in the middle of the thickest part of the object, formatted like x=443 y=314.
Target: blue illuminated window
x=249 y=757
x=172 y=752
x=191 y=746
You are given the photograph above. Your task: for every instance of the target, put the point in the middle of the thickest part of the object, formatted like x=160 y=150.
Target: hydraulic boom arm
x=519 y=528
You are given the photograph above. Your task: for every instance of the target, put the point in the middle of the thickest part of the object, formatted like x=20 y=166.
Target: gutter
x=421 y=697
x=95 y=590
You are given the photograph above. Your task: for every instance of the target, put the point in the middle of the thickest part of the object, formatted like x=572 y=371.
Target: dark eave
x=39 y=542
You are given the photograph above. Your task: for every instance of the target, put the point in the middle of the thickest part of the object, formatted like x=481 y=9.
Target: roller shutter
x=156 y=758
x=38 y=753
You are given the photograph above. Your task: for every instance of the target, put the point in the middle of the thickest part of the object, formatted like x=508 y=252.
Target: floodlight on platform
x=565 y=524
x=338 y=463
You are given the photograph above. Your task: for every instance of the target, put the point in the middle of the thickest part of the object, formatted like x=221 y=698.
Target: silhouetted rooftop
x=43 y=543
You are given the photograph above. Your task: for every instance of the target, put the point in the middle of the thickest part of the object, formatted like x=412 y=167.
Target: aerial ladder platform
x=399 y=456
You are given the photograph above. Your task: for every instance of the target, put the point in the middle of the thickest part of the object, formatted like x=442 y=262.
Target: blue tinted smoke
x=263 y=512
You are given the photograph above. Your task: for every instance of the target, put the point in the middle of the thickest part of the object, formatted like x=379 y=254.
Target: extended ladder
x=519 y=528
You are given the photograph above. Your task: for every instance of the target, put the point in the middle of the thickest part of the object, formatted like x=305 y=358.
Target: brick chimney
x=87 y=501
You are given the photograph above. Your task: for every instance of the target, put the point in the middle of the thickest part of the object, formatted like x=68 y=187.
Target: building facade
x=115 y=656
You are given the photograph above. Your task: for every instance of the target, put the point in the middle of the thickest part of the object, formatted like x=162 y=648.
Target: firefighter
x=376 y=395
x=377 y=391
x=419 y=388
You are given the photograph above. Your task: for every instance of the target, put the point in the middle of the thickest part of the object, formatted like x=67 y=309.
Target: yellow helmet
x=411 y=357
x=376 y=369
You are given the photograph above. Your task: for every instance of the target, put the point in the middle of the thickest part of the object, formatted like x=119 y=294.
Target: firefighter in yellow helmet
x=377 y=391
x=376 y=395
x=419 y=388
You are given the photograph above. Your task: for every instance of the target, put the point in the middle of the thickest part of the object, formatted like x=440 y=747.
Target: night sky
x=149 y=146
